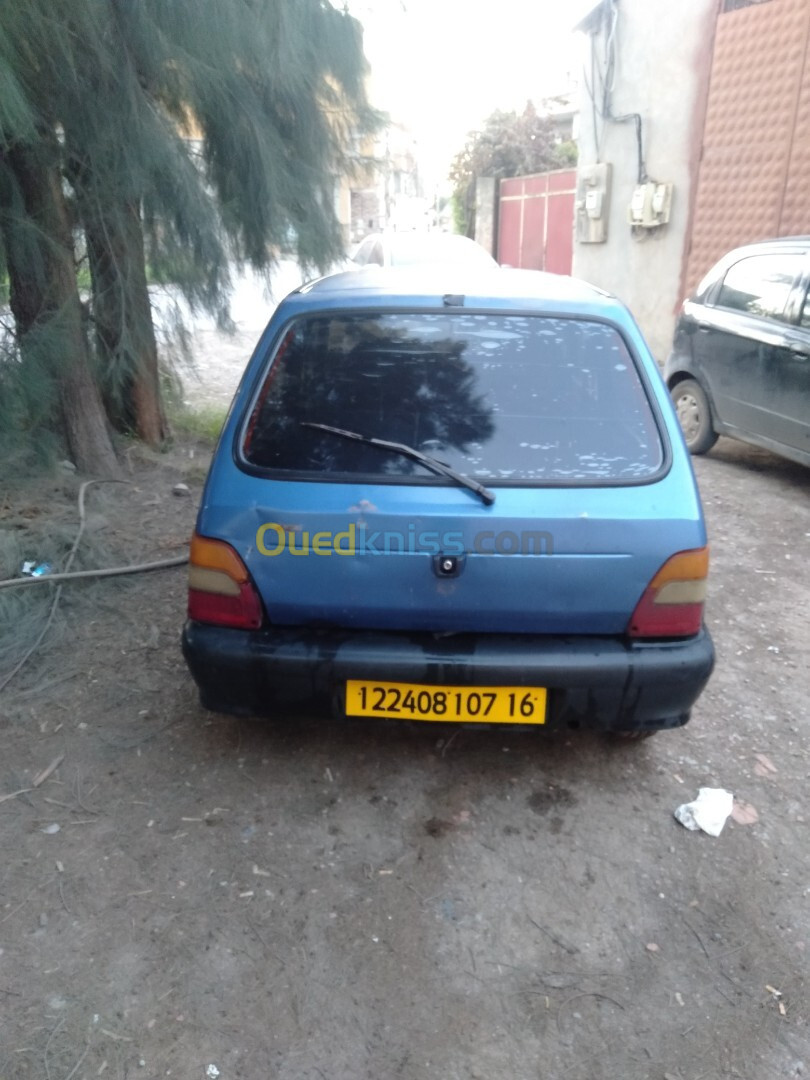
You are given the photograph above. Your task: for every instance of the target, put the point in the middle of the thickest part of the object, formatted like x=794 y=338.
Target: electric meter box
x=592 y=203
x=650 y=205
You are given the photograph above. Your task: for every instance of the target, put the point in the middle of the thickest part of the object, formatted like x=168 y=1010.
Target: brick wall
x=754 y=172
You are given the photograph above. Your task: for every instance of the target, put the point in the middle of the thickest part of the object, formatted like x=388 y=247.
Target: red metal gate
x=536 y=221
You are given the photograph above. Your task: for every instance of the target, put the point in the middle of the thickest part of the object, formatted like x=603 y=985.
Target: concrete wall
x=663 y=58
x=486 y=213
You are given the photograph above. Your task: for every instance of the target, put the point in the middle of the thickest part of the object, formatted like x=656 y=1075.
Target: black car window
x=760 y=284
x=499 y=398
x=805 y=316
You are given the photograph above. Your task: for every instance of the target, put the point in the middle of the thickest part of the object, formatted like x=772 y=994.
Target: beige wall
x=663 y=53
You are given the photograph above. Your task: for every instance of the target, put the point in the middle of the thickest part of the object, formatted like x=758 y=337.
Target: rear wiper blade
x=487 y=497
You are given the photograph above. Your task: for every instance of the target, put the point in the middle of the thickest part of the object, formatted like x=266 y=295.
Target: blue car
x=451 y=495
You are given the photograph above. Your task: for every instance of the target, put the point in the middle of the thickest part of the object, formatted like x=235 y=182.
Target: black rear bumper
x=597 y=683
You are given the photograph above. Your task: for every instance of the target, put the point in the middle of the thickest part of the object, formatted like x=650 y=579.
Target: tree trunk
x=45 y=302
x=123 y=317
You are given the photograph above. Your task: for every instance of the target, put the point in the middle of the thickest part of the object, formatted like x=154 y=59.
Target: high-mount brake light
x=672 y=604
x=219 y=587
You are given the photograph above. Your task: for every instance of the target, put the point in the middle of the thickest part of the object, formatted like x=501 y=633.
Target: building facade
x=694 y=138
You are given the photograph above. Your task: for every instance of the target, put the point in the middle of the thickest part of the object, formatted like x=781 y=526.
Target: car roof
x=781 y=245
x=418 y=236
x=775 y=242
x=410 y=247
x=760 y=247
x=410 y=240
x=480 y=288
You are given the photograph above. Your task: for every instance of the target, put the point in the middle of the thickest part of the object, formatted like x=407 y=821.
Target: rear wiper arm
x=487 y=497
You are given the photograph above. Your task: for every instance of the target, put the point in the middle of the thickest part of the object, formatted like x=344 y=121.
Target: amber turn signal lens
x=220 y=591
x=217 y=555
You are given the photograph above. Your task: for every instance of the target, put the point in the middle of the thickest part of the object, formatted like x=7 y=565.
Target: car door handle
x=704 y=329
x=799 y=350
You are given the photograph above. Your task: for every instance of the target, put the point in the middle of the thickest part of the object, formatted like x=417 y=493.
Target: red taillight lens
x=672 y=604
x=272 y=375
x=219 y=587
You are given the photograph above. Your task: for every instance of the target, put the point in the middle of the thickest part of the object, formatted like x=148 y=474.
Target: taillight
x=219 y=587
x=672 y=604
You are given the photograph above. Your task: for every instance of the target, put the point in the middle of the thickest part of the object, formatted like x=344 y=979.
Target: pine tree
x=275 y=90
x=38 y=247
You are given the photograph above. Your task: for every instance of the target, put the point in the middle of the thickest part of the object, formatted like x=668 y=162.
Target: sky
x=442 y=66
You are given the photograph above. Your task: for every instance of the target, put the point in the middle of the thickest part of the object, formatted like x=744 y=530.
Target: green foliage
x=204 y=423
x=567 y=154
x=193 y=135
x=509 y=144
x=27 y=403
x=18 y=117
x=460 y=221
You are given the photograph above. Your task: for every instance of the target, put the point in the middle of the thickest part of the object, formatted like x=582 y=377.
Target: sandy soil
x=314 y=900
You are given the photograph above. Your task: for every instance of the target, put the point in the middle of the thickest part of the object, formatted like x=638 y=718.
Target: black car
x=740 y=360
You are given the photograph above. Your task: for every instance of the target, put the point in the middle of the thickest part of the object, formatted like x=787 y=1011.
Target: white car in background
x=416 y=248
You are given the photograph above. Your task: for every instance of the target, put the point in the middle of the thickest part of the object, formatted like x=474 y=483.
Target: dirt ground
x=319 y=900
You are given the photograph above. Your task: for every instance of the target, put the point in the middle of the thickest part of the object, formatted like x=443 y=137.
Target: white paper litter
x=708 y=812
x=212 y=1072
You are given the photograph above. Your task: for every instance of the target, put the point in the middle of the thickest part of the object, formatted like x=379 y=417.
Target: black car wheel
x=694 y=416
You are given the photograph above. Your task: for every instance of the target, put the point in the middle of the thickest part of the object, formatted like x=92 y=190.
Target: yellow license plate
x=448 y=704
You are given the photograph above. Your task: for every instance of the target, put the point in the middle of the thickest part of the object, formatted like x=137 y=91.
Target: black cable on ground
x=76 y=575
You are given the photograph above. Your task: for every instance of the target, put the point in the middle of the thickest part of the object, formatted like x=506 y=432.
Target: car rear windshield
x=510 y=399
